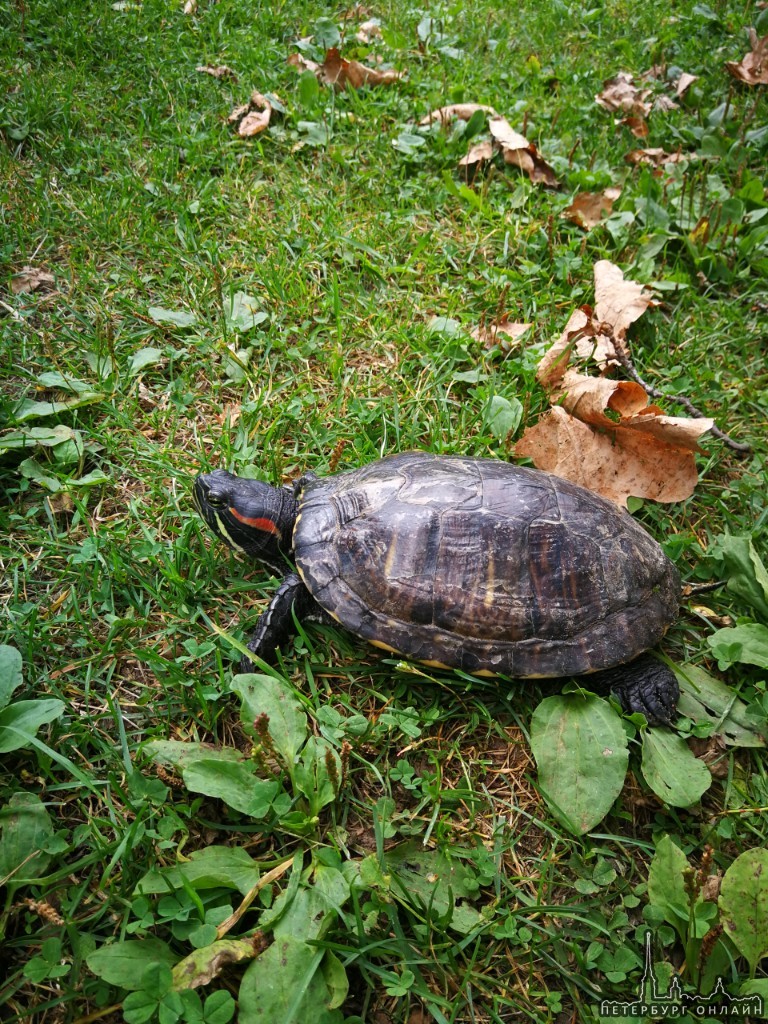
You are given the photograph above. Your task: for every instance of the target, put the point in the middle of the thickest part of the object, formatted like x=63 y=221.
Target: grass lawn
x=347 y=837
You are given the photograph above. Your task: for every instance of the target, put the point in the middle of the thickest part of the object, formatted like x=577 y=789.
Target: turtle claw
x=648 y=686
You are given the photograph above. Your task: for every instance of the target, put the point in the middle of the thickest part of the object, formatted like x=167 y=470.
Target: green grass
x=120 y=175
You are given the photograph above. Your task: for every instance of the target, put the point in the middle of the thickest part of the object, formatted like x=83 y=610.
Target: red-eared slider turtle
x=461 y=563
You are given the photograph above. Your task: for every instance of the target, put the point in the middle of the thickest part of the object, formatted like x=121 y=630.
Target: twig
x=739 y=447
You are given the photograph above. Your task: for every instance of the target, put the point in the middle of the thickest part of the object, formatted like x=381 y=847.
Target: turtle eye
x=216 y=500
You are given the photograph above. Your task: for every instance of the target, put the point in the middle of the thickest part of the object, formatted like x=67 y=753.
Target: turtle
x=462 y=563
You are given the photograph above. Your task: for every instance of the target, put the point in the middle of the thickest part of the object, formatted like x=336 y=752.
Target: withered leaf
x=504 y=332
x=32 y=279
x=340 y=72
x=637 y=125
x=190 y=7
x=463 y=111
x=752 y=69
x=616 y=462
x=252 y=117
x=480 y=153
x=589 y=208
x=657 y=157
x=620 y=93
x=369 y=30
x=519 y=152
x=220 y=71
x=604 y=434
x=684 y=82
x=664 y=103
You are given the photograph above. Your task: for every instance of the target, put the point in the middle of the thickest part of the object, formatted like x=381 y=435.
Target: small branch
x=739 y=447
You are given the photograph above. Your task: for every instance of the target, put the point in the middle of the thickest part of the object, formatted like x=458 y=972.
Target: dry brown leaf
x=684 y=82
x=220 y=71
x=620 y=93
x=190 y=7
x=605 y=434
x=505 y=333
x=252 y=117
x=589 y=208
x=32 y=279
x=339 y=72
x=368 y=31
x=461 y=110
x=616 y=463
x=302 y=63
x=664 y=104
x=519 y=152
x=752 y=69
x=480 y=153
x=618 y=302
x=657 y=157
x=637 y=125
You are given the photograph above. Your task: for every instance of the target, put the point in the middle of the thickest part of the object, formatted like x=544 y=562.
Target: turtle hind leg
x=645 y=685
x=276 y=624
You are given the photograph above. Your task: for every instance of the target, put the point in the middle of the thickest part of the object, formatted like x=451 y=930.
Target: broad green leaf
x=235 y=363
x=335 y=977
x=229 y=867
x=286 y=984
x=123 y=963
x=178 y=753
x=429 y=878
x=309 y=89
x=10 y=673
x=746 y=643
x=666 y=884
x=143 y=358
x=31 y=437
x=28 y=409
x=445 y=325
x=580 y=748
x=308 y=916
x=54 y=379
x=318 y=774
x=203 y=965
x=237 y=785
x=671 y=769
x=25 y=827
x=741 y=565
x=743 y=905
x=139 y=1007
x=177 y=317
x=706 y=699
x=243 y=313
x=20 y=721
x=265 y=695
x=219 y=1008
x=503 y=416
x=326 y=33
x=32 y=470
x=93 y=479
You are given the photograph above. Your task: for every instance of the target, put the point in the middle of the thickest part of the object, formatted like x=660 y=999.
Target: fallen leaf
x=220 y=71
x=589 y=208
x=605 y=434
x=657 y=157
x=369 y=30
x=684 y=82
x=637 y=125
x=190 y=7
x=480 y=153
x=519 y=152
x=620 y=93
x=340 y=72
x=664 y=104
x=32 y=279
x=463 y=111
x=615 y=462
x=252 y=117
x=504 y=332
x=752 y=69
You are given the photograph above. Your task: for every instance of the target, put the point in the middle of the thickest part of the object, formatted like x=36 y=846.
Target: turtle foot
x=645 y=685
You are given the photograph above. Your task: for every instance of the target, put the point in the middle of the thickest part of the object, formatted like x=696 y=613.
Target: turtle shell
x=480 y=565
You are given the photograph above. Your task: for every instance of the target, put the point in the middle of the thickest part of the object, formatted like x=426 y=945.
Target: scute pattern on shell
x=483 y=566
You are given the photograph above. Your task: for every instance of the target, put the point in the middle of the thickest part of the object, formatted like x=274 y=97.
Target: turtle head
x=250 y=516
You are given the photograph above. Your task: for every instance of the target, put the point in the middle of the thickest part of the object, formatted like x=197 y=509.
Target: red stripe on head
x=263 y=524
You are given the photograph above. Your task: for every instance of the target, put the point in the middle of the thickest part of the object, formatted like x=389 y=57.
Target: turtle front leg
x=644 y=685
x=276 y=625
